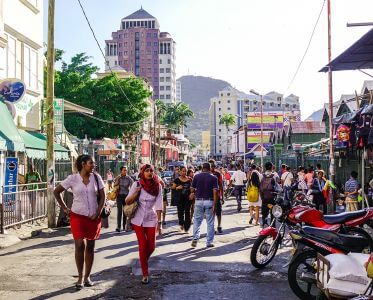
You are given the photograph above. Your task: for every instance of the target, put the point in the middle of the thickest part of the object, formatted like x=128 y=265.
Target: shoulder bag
x=106 y=210
x=130 y=209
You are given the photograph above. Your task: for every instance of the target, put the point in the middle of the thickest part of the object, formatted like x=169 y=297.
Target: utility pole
x=51 y=211
x=330 y=86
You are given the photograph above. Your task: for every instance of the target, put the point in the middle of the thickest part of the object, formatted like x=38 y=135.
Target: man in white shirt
x=238 y=179
x=287 y=177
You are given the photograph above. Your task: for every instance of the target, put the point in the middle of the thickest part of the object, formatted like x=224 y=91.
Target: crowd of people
x=198 y=193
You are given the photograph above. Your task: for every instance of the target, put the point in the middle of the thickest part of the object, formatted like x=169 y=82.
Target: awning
x=10 y=138
x=36 y=145
x=358 y=56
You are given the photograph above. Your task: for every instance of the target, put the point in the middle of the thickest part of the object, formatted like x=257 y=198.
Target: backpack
x=253 y=193
x=267 y=187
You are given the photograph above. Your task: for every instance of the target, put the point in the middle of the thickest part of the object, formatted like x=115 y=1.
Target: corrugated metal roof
x=307 y=127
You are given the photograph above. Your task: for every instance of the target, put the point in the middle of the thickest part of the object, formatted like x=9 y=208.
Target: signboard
x=271 y=120
x=58 y=105
x=12 y=90
x=145 y=148
x=10 y=182
x=254 y=138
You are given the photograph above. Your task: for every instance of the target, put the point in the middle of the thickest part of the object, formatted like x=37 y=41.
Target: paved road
x=43 y=267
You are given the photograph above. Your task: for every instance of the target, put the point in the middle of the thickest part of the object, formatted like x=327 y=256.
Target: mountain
x=197 y=92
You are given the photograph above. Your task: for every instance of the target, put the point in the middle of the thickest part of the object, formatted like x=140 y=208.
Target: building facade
x=167 y=68
x=232 y=101
x=178 y=91
x=135 y=47
x=22 y=57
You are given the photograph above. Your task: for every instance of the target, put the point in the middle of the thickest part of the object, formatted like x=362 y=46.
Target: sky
x=252 y=44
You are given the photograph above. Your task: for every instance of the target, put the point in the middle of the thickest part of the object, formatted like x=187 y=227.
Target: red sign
x=169 y=154
x=145 y=148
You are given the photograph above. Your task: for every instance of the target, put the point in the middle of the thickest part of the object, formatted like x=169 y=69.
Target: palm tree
x=176 y=115
x=228 y=120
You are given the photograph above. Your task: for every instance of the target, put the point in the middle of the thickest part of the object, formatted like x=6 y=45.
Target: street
x=43 y=267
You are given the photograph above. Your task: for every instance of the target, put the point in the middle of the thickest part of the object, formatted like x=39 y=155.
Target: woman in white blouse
x=85 y=221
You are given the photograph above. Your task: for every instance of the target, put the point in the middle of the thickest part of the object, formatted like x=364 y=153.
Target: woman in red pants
x=147 y=219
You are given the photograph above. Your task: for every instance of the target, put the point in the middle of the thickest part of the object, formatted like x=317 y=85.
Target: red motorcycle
x=291 y=213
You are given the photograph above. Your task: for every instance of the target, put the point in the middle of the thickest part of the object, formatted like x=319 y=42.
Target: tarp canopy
x=358 y=56
x=10 y=138
x=36 y=145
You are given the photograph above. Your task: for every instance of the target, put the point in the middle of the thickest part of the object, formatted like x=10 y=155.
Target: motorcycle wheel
x=304 y=287
x=361 y=232
x=259 y=255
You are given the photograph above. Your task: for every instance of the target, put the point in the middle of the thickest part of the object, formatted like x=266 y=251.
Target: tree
x=113 y=99
x=228 y=120
x=176 y=115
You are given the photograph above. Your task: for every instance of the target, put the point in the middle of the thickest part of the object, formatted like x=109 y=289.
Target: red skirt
x=82 y=227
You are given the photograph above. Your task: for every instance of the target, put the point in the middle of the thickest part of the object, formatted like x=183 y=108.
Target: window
x=160 y=61
x=120 y=62
x=30 y=67
x=148 y=44
x=222 y=94
x=219 y=116
x=169 y=61
x=155 y=34
x=161 y=96
x=120 y=36
x=125 y=44
x=125 y=35
x=161 y=88
x=161 y=70
x=155 y=43
x=120 y=53
x=125 y=61
x=168 y=96
x=228 y=94
x=278 y=98
x=168 y=70
x=294 y=106
x=168 y=79
x=219 y=151
x=120 y=45
x=161 y=79
x=11 y=57
x=219 y=108
x=219 y=137
x=229 y=101
x=229 y=108
x=155 y=61
x=115 y=62
x=168 y=88
x=271 y=104
x=279 y=105
x=219 y=130
x=125 y=52
x=155 y=52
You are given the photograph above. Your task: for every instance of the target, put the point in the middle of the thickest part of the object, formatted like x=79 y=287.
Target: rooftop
x=139 y=15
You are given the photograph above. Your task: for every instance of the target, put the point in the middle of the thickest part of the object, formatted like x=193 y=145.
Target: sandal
x=79 y=286
x=145 y=280
x=89 y=283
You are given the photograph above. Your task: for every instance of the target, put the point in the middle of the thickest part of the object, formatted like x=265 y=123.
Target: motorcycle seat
x=343 y=217
x=349 y=241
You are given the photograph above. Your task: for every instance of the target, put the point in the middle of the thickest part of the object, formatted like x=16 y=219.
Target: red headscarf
x=151 y=186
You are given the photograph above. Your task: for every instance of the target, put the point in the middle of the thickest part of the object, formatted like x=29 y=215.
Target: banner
x=12 y=90
x=145 y=148
x=254 y=138
x=10 y=183
x=271 y=120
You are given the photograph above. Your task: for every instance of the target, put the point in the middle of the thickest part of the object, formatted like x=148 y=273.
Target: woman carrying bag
x=147 y=218
x=84 y=214
x=253 y=196
x=317 y=187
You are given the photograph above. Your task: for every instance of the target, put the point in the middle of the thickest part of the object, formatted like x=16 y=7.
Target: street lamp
x=261 y=124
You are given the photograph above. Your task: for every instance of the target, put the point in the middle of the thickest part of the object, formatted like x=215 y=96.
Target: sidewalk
x=43 y=267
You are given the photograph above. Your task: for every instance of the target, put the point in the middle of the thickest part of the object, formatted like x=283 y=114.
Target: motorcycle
x=291 y=213
x=310 y=241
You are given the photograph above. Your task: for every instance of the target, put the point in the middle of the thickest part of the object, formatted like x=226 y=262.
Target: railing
x=21 y=204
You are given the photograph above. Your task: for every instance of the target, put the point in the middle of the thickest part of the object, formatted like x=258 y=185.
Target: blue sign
x=11 y=176
x=12 y=90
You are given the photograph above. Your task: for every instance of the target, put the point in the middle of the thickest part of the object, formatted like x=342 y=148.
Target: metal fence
x=23 y=203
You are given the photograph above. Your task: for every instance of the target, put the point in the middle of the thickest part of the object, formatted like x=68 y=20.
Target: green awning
x=36 y=145
x=10 y=138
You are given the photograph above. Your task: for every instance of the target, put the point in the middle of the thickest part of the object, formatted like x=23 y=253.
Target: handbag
x=253 y=193
x=112 y=195
x=106 y=210
x=129 y=210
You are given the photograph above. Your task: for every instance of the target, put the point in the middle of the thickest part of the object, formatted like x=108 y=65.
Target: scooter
x=291 y=213
x=310 y=241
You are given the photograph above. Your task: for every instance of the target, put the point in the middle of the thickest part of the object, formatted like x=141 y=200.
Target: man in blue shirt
x=205 y=187
x=351 y=192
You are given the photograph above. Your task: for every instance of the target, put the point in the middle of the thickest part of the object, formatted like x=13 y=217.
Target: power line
x=308 y=46
x=111 y=122
x=103 y=55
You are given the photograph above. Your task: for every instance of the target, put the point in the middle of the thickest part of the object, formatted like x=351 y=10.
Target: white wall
x=23 y=57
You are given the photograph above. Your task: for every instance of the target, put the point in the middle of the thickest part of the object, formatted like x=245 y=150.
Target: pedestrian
x=308 y=177
x=192 y=199
x=109 y=179
x=287 y=179
x=218 y=207
x=147 y=219
x=182 y=185
x=302 y=185
x=253 y=195
x=267 y=189
x=85 y=221
x=122 y=184
x=282 y=170
x=238 y=179
x=205 y=189
x=351 y=192
x=32 y=179
x=317 y=187
x=199 y=170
